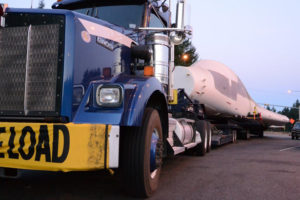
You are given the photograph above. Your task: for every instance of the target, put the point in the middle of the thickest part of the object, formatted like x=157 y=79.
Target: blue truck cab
x=86 y=86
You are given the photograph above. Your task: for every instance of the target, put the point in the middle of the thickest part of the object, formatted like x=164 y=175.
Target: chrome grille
x=40 y=85
x=30 y=57
x=13 y=51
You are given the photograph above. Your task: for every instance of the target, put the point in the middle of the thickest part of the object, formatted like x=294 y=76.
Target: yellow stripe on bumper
x=55 y=147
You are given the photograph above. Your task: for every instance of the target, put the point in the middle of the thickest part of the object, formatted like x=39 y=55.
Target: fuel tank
x=221 y=91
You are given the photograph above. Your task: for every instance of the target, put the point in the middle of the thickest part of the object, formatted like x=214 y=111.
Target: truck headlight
x=109 y=95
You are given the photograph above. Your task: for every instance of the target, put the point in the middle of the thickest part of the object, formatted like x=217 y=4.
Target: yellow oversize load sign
x=54 y=147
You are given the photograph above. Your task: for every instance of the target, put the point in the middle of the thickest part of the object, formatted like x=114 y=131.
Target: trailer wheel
x=201 y=127
x=244 y=134
x=261 y=133
x=141 y=155
x=209 y=132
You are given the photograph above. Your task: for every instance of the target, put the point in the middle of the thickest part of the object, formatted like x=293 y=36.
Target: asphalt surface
x=265 y=168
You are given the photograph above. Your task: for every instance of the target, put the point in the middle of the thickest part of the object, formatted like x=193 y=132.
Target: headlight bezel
x=109 y=105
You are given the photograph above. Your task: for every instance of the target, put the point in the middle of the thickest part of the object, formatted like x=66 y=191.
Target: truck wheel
x=244 y=134
x=201 y=127
x=209 y=132
x=261 y=133
x=141 y=155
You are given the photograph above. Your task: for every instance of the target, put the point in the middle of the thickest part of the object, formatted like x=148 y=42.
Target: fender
x=137 y=101
x=137 y=92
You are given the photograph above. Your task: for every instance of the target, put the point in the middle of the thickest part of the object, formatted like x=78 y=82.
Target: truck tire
x=209 y=132
x=141 y=152
x=261 y=133
x=201 y=127
x=244 y=134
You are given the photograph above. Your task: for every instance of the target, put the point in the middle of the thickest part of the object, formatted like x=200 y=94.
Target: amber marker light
x=292 y=121
x=185 y=57
x=148 y=71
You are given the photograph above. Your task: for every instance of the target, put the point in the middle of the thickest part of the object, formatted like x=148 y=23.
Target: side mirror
x=178 y=37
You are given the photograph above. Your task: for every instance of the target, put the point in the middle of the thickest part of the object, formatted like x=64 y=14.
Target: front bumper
x=59 y=147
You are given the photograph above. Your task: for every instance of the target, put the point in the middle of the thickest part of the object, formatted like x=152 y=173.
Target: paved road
x=265 y=168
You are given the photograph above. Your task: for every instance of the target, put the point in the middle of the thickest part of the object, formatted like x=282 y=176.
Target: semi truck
x=91 y=85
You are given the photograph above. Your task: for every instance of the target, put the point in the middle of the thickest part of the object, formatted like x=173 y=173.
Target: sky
x=258 y=39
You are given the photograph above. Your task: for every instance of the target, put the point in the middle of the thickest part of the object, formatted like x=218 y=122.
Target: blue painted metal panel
x=137 y=101
x=96 y=62
x=68 y=66
x=85 y=114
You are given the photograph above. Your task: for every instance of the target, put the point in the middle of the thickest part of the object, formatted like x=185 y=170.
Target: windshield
x=127 y=16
